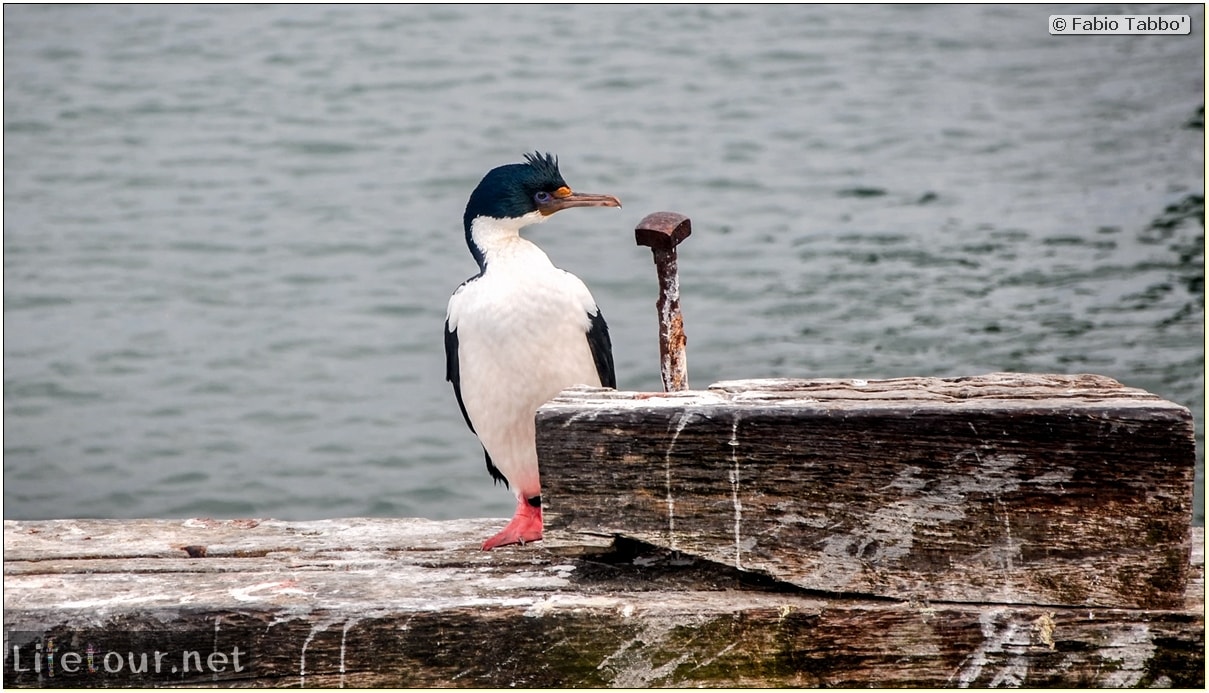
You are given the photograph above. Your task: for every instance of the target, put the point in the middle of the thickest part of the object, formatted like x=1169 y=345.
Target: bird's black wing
x=453 y=375
x=452 y=372
x=602 y=350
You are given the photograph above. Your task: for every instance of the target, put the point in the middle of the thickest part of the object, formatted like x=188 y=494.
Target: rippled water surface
x=230 y=231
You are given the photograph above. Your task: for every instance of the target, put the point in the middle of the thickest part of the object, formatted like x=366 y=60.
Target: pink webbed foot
x=525 y=526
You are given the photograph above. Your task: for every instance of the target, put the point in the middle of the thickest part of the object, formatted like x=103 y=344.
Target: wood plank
x=380 y=602
x=1005 y=488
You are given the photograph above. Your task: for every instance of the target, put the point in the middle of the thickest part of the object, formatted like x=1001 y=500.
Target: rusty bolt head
x=662 y=230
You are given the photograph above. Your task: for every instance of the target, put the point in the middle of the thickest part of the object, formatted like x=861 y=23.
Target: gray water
x=230 y=231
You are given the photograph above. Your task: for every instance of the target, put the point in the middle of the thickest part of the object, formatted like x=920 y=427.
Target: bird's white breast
x=524 y=319
x=522 y=338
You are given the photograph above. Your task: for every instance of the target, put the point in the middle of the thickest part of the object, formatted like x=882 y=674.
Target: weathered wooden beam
x=399 y=603
x=1005 y=488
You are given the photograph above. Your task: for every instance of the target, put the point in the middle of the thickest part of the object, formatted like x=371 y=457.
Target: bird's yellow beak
x=565 y=198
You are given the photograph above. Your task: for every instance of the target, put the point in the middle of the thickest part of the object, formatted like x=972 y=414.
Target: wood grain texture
x=380 y=602
x=1004 y=489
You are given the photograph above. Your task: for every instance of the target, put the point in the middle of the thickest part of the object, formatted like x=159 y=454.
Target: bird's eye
x=542 y=197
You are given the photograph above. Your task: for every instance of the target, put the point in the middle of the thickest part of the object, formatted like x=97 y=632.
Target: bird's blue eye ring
x=542 y=197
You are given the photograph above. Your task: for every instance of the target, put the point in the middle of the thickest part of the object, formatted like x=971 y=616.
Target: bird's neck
x=497 y=242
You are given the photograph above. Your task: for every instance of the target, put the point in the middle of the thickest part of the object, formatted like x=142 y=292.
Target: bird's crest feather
x=545 y=164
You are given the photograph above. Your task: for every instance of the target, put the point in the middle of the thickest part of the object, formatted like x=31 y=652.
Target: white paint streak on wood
x=999 y=639
x=302 y=657
x=631 y=662
x=714 y=657
x=667 y=474
x=343 y=641
x=734 y=489
x=214 y=647
x=1009 y=554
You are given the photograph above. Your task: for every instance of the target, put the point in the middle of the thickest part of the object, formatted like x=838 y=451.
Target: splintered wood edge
x=1021 y=387
x=585 y=543
x=989 y=386
x=41 y=540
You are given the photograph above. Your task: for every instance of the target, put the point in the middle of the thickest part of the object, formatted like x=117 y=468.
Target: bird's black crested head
x=527 y=192
x=514 y=190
